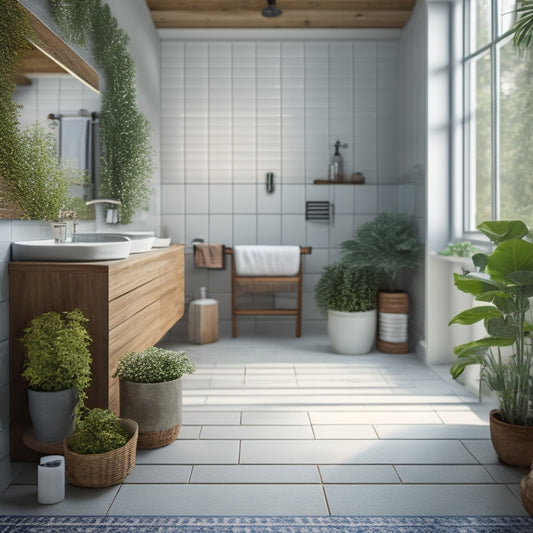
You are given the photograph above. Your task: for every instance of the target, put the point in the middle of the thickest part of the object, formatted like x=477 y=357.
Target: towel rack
x=261 y=284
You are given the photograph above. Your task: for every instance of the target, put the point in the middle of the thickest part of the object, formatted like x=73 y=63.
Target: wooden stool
x=203 y=321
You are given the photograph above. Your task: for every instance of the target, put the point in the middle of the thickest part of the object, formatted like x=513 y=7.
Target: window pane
x=480 y=142
x=506 y=17
x=516 y=134
x=480 y=24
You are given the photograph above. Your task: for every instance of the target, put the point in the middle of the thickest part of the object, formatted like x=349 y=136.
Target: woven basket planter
x=393 y=309
x=103 y=469
x=157 y=409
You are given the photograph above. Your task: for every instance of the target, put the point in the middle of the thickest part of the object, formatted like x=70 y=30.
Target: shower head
x=271 y=10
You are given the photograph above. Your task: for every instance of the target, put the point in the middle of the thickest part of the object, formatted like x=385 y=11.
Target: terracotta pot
x=392 y=304
x=513 y=444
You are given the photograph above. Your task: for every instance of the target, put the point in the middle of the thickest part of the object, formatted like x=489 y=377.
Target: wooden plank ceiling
x=296 y=13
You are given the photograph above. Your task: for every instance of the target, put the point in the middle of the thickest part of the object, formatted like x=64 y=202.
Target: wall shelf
x=337 y=182
x=356 y=179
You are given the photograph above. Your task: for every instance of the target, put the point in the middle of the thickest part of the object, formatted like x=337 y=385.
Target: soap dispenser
x=336 y=165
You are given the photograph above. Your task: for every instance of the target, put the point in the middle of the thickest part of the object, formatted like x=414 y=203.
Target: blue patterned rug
x=307 y=524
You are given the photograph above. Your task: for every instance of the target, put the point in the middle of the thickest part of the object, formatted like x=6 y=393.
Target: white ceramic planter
x=52 y=414
x=352 y=333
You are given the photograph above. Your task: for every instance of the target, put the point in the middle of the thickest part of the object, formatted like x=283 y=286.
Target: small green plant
x=98 y=432
x=387 y=245
x=505 y=283
x=347 y=288
x=44 y=182
x=459 y=249
x=153 y=365
x=57 y=353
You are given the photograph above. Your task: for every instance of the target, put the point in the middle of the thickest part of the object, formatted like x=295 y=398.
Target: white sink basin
x=87 y=248
x=141 y=241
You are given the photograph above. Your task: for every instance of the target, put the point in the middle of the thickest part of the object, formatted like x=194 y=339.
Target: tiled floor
x=284 y=427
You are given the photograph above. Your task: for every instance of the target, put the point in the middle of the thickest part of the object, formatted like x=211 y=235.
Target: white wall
x=412 y=148
x=237 y=105
x=135 y=19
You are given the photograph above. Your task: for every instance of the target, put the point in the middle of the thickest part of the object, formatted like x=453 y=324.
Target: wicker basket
x=103 y=469
x=155 y=439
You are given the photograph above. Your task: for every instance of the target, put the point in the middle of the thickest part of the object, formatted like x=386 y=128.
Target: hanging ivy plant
x=126 y=165
x=14 y=31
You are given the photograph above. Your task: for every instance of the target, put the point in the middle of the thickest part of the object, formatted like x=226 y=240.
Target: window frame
x=493 y=47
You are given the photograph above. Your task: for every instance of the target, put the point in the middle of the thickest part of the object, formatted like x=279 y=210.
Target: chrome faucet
x=112 y=213
x=70 y=214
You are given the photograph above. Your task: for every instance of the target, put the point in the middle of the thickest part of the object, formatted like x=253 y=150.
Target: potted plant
x=151 y=393
x=57 y=368
x=387 y=245
x=102 y=450
x=504 y=281
x=459 y=249
x=348 y=295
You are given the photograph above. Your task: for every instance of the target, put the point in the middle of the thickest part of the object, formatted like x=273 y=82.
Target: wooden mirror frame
x=60 y=52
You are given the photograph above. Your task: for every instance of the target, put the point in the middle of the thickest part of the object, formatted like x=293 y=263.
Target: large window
x=499 y=117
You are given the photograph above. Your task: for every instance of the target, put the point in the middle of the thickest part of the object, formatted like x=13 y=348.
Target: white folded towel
x=252 y=260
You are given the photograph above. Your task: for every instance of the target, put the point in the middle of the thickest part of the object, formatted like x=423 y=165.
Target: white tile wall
x=234 y=110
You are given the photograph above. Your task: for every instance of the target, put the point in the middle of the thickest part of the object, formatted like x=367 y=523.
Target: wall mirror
x=59 y=89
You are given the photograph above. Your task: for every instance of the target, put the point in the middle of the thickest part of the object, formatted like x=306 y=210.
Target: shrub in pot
x=504 y=282
x=102 y=450
x=151 y=393
x=387 y=245
x=57 y=367
x=347 y=294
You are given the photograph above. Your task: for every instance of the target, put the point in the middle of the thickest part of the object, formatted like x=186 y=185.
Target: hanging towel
x=75 y=141
x=267 y=260
x=209 y=256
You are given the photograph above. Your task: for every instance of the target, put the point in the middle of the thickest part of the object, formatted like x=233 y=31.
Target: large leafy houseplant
x=387 y=245
x=151 y=393
x=504 y=283
x=523 y=27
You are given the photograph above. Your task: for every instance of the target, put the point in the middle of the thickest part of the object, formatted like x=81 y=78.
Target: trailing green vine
x=126 y=165
x=14 y=31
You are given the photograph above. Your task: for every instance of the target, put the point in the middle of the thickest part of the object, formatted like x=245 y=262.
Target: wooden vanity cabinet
x=130 y=303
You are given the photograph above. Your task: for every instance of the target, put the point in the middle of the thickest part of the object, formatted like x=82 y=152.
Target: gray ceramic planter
x=156 y=407
x=52 y=414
